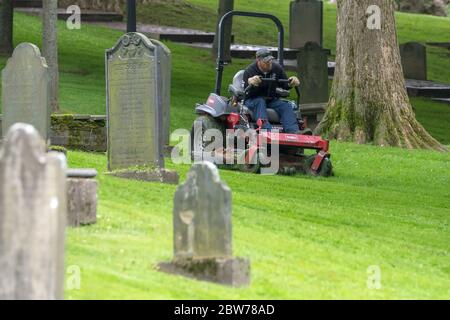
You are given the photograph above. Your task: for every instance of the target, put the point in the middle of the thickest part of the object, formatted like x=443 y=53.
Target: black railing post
x=131 y=15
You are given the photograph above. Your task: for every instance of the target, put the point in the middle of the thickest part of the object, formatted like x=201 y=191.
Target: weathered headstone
x=133 y=115
x=414 y=60
x=202 y=230
x=165 y=83
x=313 y=73
x=25 y=90
x=81 y=197
x=305 y=23
x=134 y=100
x=32 y=217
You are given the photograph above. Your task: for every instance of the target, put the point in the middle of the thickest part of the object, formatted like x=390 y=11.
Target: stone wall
x=108 y=5
x=78 y=132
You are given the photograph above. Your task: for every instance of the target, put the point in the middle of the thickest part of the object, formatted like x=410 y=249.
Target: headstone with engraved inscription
x=25 y=90
x=135 y=142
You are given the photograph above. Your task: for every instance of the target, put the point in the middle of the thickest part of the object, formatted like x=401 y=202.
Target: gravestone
x=26 y=90
x=133 y=114
x=134 y=109
x=414 y=60
x=81 y=197
x=313 y=73
x=305 y=23
x=165 y=83
x=202 y=230
x=32 y=217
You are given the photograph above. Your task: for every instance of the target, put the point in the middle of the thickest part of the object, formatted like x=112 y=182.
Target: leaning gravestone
x=202 y=230
x=32 y=217
x=135 y=119
x=313 y=72
x=414 y=60
x=25 y=90
x=305 y=23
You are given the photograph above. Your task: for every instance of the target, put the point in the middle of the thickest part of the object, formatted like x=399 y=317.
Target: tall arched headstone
x=133 y=97
x=135 y=86
x=26 y=90
x=33 y=204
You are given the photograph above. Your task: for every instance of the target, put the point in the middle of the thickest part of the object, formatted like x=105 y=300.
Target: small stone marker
x=305 y=23
x=202 y=230
x=313 y=73
x=414 y=60
x=26 y=90
x=134 y=108
x=32 y=217
x=82 y=197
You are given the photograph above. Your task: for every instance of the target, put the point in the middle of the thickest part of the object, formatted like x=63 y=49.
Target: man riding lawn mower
x=257 y=118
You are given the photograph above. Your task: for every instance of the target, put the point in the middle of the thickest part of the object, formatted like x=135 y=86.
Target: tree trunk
x=224 y=7
x=6 y=27
x=50 y=48
x=369 y=102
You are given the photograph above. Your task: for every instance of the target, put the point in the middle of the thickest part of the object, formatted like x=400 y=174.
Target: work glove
x=254 y=81
x=294 y=82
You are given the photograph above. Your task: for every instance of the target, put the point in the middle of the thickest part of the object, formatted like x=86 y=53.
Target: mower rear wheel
x=251 y=166
x=325 y=169
x=200 y=126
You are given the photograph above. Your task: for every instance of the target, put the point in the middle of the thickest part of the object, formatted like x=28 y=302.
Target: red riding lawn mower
x=235 y=121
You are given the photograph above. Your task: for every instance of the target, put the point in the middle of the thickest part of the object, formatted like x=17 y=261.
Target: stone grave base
x=81 y=197
x=227 y=271
x=157 y=175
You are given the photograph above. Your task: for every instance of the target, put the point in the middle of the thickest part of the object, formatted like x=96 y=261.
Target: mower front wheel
x=325 y=169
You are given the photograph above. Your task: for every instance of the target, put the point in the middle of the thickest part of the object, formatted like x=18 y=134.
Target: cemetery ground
x=306 y=237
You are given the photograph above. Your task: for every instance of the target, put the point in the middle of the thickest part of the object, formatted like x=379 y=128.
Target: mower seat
x=273 y=116
x=237 y=88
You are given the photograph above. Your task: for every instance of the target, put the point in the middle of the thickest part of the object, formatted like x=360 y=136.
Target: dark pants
x=284 y=109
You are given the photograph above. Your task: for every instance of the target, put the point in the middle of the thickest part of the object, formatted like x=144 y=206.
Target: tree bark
x=224 y=7
x=50 y=48
x=368 y=101
x=6 y=27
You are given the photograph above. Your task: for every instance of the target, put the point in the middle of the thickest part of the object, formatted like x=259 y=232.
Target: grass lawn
x=306 y=238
